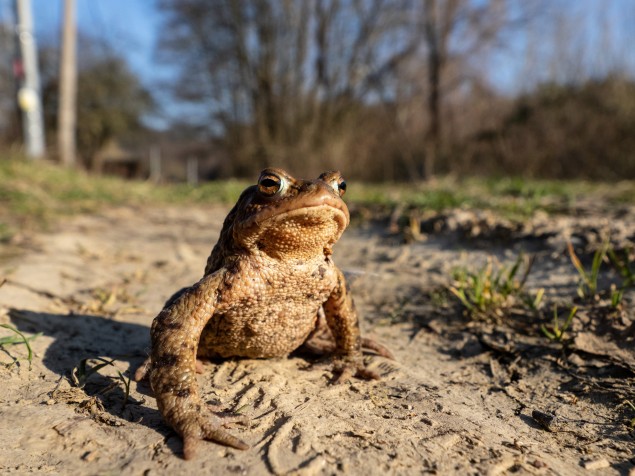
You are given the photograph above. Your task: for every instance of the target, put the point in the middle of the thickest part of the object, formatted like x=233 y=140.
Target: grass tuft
x=588 y=282
x=19 y=338
x=83 y=371
x=623 y=264
x=490 y=292
x=557 y=332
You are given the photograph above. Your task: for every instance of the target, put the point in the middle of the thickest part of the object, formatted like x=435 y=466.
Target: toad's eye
x=270 y=184
x=335 y=181
x=341 y=186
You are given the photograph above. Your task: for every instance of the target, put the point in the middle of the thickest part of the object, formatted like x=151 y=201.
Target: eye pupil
x=270 y=185
x=268 y=182
x=341 y=187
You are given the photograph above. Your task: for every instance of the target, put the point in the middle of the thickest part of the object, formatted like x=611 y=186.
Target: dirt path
x=459 y=399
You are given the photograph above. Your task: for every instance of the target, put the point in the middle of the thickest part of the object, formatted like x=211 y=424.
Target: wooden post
x=155 y=164
x=192 y=171
x=67 y=113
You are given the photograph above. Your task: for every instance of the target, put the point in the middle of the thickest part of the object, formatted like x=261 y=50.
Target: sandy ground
x=458 y=400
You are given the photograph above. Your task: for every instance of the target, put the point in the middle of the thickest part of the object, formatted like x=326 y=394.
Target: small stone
x=429 y=422
x=595 y=464
x=90 y=456
x=537 y=463
x=446 y=441
x=548 y=421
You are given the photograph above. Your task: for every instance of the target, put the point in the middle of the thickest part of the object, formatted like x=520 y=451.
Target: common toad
x=267 y=281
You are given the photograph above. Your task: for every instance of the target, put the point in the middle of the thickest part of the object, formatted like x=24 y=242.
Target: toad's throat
x=305 y=231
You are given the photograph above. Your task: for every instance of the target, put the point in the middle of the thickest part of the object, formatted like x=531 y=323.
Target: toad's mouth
x=317 y=210
x=312 y=216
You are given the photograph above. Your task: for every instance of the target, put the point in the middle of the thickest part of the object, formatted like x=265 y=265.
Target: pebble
x=596 y=464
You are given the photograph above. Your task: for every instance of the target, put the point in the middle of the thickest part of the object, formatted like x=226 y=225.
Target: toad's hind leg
x=321 y=341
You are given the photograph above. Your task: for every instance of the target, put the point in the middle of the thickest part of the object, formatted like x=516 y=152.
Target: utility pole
x=29 y=82
x=192 y=171
x=67 y=109
x=155 y=164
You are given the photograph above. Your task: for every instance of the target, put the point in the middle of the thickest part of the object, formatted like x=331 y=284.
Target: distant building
x=113 y=159
x=164 y=161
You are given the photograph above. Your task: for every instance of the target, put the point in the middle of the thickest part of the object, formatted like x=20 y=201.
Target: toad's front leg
x=342 y=319
x=175 y=335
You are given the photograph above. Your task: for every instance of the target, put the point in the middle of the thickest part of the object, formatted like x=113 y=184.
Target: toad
x=267 y=281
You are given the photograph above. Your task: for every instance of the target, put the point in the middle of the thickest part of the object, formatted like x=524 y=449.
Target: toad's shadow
x=81 y=336
x=84 y=336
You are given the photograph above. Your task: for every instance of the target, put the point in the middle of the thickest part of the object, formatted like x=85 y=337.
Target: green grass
x=588 y=279
x=490 y=292
x=512 y=197
x=19 y=338
x=35 y=193
x=83 y=371
x=557 y=331
x=623 y=265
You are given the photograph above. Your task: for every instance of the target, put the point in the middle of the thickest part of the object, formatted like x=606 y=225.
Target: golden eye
x=270 y=184
x=335 y=181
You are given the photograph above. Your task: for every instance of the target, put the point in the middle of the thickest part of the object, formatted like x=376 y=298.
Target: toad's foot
x=143 y=371
x=379 y=349
x=194 y=421
x=325 y=345
x=348 y=367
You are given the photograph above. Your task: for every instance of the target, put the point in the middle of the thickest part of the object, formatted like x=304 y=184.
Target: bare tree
x=387 y=88
x=9 y=114
x=455 y=36
x=284 y=81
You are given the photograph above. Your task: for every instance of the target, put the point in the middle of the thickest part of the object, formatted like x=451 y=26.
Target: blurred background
x=385 y=90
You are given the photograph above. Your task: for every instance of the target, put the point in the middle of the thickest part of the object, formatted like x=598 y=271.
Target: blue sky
x=130 y=26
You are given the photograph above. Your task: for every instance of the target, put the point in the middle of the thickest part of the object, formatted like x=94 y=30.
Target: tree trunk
x=435 y=63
